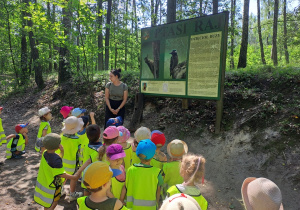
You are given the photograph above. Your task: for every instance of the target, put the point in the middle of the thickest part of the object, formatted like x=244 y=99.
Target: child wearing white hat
x=179 y=202
x=44 y=129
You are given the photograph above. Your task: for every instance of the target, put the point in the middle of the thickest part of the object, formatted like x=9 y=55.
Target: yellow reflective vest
x=141 y=184
x=87 y=152
x=199 y=198
x=127 y=159
x=157 y=163
x=71 y=147
x=172 y=173
x=82 y=206
x=116 y=187
x=2 y=134
x=45 y=187
x=40 y=133
x=135 y=159
x=84 y=140
x=19 y=147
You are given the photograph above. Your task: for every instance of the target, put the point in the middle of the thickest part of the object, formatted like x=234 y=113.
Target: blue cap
x=156 y=131
x=77 y=111
x=114 y=121
x=147 y=148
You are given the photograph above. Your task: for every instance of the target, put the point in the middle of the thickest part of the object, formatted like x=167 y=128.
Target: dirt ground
x=229 y=160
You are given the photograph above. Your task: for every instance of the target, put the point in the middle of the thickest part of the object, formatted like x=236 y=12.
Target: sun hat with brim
x=261 y=194
x=44 y=111
x=20 y=126
x=142 y=133
x=147 y=148
x=111 y=132
x=65 y=111
x=180 y=201
x=115 y=151
x=125 y=134
x=77 y=111
x=72 y=125
x=51 y=141
x=97 y=174
x=177 y=148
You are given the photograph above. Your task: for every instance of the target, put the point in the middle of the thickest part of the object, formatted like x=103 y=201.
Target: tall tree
x=274 y=38
x=232 y=20
x=244 y=45
x=107 y=34
x=215 y=6
x=155 y=45
x=171 y=11
x=50 y=41
x=286 y=52
x=64 y=54
x=100 y=35
x=24 y=66
x=259 y=34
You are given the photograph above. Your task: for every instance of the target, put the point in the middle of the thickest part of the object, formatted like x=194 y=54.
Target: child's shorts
x=57 y=194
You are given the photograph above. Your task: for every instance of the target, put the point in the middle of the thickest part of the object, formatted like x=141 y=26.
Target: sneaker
x=62 y=192
x=73 y=196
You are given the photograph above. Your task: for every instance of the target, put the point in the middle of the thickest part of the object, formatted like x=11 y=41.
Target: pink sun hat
x=115 y=151
x=65 y=111
x=125 y=134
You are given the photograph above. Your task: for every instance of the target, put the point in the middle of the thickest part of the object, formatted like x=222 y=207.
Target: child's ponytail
x=101 y=152
x=193 y=167
x=102 y=149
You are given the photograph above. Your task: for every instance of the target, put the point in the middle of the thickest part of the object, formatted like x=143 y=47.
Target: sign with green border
x=185 y=59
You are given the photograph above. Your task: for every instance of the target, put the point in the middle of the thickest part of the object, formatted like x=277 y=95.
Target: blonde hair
x=193 y=167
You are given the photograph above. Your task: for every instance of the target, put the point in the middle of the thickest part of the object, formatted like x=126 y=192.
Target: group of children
x=115 y=171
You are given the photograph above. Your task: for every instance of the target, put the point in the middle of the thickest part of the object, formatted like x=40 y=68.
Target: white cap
x=44 y=111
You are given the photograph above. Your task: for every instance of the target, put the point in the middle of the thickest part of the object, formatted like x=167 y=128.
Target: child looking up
x=16 y=146
x=122 y=140
x=140 y=134
x=71 y=143
x=2 y=134
x=159 y=139
x=192 y=169
x=115 y=155
x=176 y=149
x=97 y=179
x=143 y=181
x=66 y=111
x=51 y=173
x=93 y=133
x=45 y=116
x=77 y=112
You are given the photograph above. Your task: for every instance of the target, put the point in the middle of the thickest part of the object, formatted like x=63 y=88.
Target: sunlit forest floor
x=259 y=138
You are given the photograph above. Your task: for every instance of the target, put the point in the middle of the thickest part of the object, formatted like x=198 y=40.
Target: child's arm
x=26 y=138
x=158 y=194
x=118 y=205
x=109 y=193
x=92 y=115
x=61 y=148
x=11 y=136
x=44 y=133
x=123 y=194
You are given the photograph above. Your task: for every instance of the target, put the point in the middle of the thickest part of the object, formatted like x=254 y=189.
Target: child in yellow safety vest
x=52 y=174
x=2 y=134
x=122 y=140
x=97 y=179
x=143 y=181
x=140 y=134
x=115 y=155
x=93 y=133
x=159 y=139
x=192 y=169
x=83 y=136
x=44 y=129
x=16 y=145
x=66 y=111
x=71 y=144
x=78 y=112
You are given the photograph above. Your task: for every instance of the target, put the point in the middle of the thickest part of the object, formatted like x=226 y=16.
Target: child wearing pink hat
x=2 y=134
x=159 y=139
x=66 y=111
x=115 y=155
x=122 y=140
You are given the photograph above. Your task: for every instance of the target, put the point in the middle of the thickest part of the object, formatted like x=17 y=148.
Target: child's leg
x=52 y=207
x=72 y=185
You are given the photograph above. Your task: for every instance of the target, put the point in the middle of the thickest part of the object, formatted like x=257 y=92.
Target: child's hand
x=92 y=114
x=61 y=148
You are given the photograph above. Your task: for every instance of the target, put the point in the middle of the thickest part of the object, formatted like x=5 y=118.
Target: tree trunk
x=100 y=36
x=171 y=11
x=126 y=33
x=50 y=41
x=259 y=34
x=232 y=20
x=24 y=66
x=286 y=52
x=64 y=54
x=244 y=45
x=268 y=18
x=107 y=34
x=215 y=6
x=274 y=39
x=37 y=68
x=136 y=24
x=201 y=12
x=54 y=46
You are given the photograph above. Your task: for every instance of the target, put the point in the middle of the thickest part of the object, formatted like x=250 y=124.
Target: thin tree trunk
x=126 y=32
x=54 y=46
x=171 y=11
x=215 y=6
x=107 y=34
x=232 y=20
x=268 y=18
x=136 y=24
x=24 y=66
x=286 y=52
x=259 y=34
x=274 y=39
x=244 y=45
x=50 y=41
x=155 y=44
x=201 y=7
x=100 y=36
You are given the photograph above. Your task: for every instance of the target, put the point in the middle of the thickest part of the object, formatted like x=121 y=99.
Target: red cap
x=20 y=126
x=1 y=107
x=158 y=138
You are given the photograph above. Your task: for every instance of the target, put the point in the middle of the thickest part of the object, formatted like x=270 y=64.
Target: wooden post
x=137 y=112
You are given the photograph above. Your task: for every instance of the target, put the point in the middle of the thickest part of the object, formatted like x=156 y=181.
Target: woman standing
x=116 y=93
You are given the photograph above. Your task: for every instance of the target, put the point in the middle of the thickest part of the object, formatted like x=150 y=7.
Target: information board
x=185 y=59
